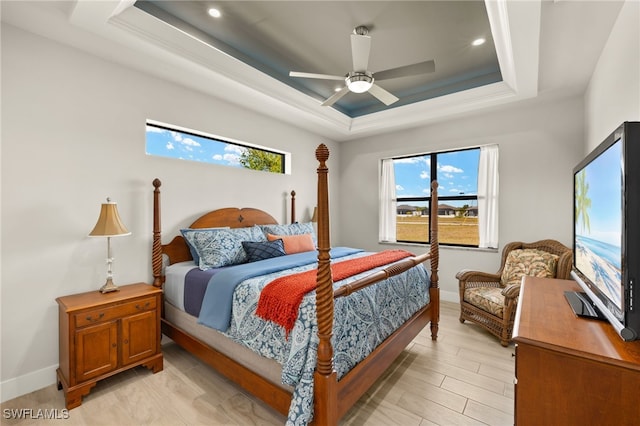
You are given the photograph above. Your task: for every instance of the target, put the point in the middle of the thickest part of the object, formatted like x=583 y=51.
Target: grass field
x=455 y=230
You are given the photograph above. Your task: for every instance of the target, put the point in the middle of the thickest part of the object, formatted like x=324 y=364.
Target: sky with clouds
x=457 y=174
x=173 y=144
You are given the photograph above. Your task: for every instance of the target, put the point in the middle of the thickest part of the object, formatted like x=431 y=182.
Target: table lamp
x=109 y=225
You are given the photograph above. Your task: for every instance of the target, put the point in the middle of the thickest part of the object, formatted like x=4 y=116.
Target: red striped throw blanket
x=281 y=298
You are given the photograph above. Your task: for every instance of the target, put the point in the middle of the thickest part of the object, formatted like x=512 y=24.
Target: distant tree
x=257 y=159
x=583 y=202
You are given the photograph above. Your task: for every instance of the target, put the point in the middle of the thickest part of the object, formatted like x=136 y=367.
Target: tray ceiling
x=276 y=37
x=534 y=49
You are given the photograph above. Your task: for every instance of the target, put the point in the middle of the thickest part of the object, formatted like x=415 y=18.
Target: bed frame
x=332 y=398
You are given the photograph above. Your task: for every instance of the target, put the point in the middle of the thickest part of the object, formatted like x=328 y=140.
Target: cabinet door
x=139 y=339
x=96 y=350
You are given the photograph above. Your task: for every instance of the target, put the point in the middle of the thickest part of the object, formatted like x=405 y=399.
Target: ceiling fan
x=361 y=80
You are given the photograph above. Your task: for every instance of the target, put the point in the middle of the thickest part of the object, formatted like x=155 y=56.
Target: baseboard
x=27 y=383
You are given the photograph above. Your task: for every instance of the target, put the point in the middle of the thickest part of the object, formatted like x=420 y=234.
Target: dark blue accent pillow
x=263 y=250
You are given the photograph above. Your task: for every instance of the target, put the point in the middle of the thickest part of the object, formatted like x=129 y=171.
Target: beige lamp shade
x=109 y=223
x=314 y=218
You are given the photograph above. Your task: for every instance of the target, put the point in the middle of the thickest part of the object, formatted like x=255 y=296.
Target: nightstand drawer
x=113 y=312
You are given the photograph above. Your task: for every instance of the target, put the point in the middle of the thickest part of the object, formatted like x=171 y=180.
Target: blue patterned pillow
x=291 y=229
x=222 y=247
x=192 y=249
x=261 y=251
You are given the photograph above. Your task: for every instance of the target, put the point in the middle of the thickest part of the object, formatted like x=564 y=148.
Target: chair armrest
x=468 y=279
x=511 y=291
x=467 y=275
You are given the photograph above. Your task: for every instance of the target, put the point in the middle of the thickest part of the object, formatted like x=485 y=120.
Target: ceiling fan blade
x=336 y=96
x=384 y=96
x=319 y=76
x=407 y=70
x=360 y=48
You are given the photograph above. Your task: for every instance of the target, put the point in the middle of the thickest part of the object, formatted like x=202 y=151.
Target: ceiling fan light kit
x=359 y=82
x=360 y=79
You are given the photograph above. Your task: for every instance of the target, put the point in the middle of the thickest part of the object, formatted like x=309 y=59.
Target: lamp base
x=109 y=286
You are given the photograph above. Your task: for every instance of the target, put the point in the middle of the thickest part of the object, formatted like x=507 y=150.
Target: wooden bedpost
x=156 y=252
x=293 y=206
x=325 y=379
x=434 y=290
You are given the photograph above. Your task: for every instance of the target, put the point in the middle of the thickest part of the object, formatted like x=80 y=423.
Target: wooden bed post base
x=325 y=409
x=434 y=301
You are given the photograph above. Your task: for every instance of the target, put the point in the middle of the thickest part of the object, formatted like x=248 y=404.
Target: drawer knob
x=90 y=318
x=146 y=305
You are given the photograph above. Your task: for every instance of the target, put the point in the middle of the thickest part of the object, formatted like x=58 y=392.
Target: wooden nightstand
x=105 y=334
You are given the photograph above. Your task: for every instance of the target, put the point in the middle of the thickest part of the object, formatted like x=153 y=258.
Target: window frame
x=285 y=157
x=433 y=174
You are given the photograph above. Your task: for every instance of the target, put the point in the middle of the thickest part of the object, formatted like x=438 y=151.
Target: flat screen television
x=606 y=232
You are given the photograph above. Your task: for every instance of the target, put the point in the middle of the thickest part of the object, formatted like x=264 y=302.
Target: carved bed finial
x=293 y=206
x=322 y=153
x=156 y=183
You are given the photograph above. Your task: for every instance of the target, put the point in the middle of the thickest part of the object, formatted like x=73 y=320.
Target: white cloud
x=235 y=149
x=450 y=169
x=425 y=175
x=170 y=145
x=189 y=142
x=399 y=188
x=217 y=157
x=232 y=158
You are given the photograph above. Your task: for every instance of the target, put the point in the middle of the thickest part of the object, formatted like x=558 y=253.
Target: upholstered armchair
x=490 y=300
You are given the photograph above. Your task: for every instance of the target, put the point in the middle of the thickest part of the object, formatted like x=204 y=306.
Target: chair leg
x=505 y=337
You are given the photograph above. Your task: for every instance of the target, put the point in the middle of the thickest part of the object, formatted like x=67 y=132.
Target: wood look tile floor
x=465 y=377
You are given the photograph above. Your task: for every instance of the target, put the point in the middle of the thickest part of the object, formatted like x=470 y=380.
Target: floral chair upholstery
x=490 y=300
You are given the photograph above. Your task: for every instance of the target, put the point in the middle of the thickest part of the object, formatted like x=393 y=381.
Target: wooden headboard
x=178 y=251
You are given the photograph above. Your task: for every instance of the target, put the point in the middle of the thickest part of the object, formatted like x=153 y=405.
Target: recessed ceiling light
x=214 y=12
x=337 y=89
x=478 y=42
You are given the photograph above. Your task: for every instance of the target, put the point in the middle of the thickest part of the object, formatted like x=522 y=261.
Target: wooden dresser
x=570 y=370
x=104 y=334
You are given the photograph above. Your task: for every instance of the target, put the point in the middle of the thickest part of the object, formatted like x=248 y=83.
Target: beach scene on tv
x=598 y=224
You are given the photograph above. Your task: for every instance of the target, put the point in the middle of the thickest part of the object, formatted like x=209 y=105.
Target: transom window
x=174 y=142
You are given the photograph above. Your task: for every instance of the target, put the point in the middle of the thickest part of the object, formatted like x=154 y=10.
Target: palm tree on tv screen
x=583 y=202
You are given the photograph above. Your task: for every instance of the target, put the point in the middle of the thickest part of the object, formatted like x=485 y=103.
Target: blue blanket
x=216 y=304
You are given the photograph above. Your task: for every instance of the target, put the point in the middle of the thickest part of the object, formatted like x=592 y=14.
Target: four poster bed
x=338 y=339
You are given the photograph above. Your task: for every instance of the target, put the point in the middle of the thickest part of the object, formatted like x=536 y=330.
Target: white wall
x=613 y=95
x=539 y=145
x=73 y=133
